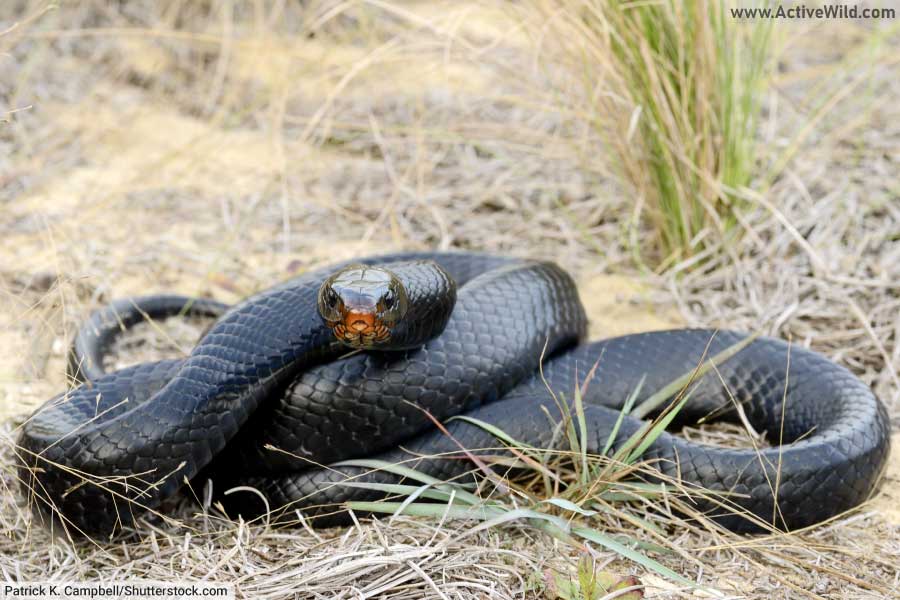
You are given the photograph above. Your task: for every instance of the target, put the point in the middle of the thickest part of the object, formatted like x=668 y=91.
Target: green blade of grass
x=493 y=430
x=582 y=435
x=634 y=520
x=629 y=403
x=380 y=465
x=409 y=491
x=570 y=506
x=419 y=509
x=631 y=554
x=658 y=398
x=656 y=429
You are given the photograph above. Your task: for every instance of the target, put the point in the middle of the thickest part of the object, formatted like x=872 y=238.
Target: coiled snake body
x=269 y=375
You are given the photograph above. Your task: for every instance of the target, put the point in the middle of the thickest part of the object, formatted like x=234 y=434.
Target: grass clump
x=673 y=88
x=572 y=493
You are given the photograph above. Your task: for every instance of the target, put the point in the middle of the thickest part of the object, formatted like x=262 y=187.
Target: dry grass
x=175 y=146
x=674 y=90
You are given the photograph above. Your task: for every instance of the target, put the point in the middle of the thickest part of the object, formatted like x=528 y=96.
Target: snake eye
x=329 y=303
x=392 y=304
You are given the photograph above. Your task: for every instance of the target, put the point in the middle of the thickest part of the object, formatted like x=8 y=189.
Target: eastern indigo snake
x=269 y=398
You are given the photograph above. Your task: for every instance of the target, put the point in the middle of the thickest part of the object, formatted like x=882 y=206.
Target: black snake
x=268 y=397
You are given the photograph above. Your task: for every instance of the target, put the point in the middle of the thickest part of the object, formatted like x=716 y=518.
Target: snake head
x=362 y=304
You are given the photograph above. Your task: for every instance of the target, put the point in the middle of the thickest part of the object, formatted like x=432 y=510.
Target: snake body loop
x=268 y=376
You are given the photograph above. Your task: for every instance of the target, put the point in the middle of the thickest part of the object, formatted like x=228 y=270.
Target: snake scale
x=269 y=398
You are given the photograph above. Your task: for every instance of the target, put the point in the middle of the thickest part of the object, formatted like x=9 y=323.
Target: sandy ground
x=217 y=154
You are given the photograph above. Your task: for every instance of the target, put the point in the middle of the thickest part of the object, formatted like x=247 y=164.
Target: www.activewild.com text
x=829 y=11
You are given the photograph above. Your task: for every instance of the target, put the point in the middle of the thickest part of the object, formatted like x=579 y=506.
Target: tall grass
x=673 y=88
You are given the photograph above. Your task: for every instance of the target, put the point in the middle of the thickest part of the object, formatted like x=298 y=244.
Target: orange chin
x=360 y=329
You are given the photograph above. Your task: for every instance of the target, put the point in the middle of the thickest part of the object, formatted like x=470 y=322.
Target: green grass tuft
x=674 y=90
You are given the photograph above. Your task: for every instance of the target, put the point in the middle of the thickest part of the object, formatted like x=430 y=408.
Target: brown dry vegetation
x=214 y=148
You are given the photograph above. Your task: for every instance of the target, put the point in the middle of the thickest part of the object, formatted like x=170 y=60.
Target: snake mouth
x=360 y=329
